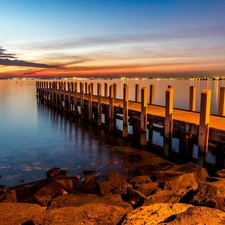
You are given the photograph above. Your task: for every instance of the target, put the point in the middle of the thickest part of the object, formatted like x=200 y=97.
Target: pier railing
x=138 y=119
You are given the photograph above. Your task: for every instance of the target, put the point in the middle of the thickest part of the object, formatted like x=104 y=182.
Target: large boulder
x=8 y=195
x=191 y=167
x=210 y=195
x=19 y=213
x=85 y=199
x=87 y=209
x=173 y=190
x=154 y=214
x=174 y=214
x=197 y=215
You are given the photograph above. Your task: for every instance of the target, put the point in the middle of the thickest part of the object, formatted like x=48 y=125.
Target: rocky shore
x=156 y=192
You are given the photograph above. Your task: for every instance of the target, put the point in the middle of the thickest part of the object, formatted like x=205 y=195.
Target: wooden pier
x=140 y=118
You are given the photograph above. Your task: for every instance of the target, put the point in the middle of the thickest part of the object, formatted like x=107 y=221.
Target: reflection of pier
x=139 y=119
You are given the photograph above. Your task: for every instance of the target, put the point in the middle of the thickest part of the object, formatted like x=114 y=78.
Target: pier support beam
x=99 y=93
x=125 y=110
x=75 y=98
x=203 y=135
x=114 y=90
x=85 y=88
x=82 y=99
x=111 y=108
x=90 y=113
x=69 y=95
x=106 y=90
x=143 y=116
x=168 y=121
x=151 y=94
x=221 y=108
x=192 y=99
x=137 y=93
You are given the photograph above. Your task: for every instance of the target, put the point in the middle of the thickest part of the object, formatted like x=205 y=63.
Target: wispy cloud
x=127 y=39
x=9 y=60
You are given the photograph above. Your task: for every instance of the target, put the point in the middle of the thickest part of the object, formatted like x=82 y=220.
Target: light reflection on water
x=34 y=138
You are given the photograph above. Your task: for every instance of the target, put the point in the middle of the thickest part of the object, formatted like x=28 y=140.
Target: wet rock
x=68 y=183
x=155 y=213
x=19 y=213
x=147 y=189
x=142 y=179
x=221 y=173
x=89 y=185
x=86 y=199
x=167 y=175
x=115 y=177
x=87 y=209
x=40 y=192
x=8 y=195
x=121 y=188
x=197 y=215
x=104 y=188
x=53 y=172
x=136 y=198
x=160 y=196
x=46 y=193
x=96 y=213
x=191 y=167
x=210 y=195
x=184 y=181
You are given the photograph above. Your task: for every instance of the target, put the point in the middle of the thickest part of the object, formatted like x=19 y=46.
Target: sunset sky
x=106 y=38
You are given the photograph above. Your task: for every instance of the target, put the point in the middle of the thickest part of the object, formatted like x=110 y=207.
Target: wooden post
x=143 y=116
x=82 y=99
x=90 y=91
x=99 y=104
x=151 y=94
x=37 y=87
x=114 y=90
x=106 y=90
x=111 y=108
x=221 y=108
x=53 y=92
x=203 y=135
x=168 y=121
x=50 y=92
x=75 y=98
x=69 y=95
x=192 y=99
x=137 y=93
x=86 y=88
x=125 y=110
x=60 y=93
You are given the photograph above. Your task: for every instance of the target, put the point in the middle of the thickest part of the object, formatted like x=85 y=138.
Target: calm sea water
x=34 y=137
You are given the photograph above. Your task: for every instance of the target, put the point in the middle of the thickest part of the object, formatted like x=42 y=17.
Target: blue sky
x=112 y=38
